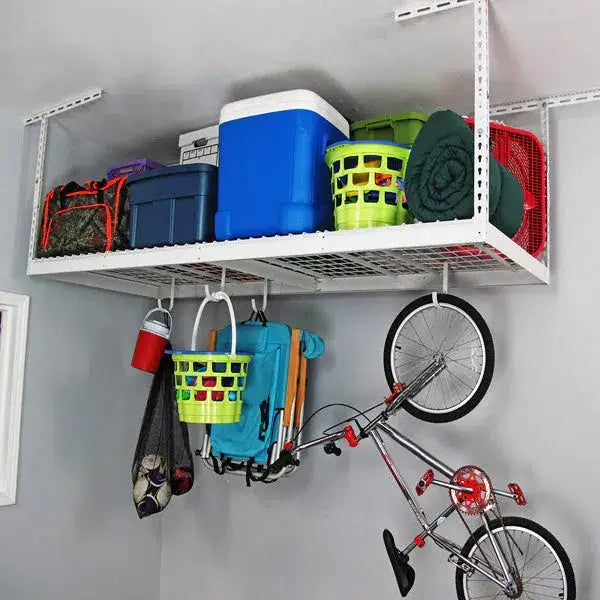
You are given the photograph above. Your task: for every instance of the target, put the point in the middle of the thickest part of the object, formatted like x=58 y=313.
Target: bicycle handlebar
x=400 y=394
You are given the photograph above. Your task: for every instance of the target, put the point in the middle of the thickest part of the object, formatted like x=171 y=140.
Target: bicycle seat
x=405 y=574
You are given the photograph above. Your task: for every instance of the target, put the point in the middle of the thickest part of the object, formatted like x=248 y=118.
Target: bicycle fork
x=509 y=584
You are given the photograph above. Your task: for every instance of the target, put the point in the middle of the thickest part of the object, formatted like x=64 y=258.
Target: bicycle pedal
x=405 y=574
x=424 y=482
x=517 y=493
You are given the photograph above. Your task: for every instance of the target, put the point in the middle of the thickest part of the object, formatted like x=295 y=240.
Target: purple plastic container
x=130 y=167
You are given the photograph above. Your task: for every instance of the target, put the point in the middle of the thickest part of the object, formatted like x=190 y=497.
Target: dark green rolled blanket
x=439 y=177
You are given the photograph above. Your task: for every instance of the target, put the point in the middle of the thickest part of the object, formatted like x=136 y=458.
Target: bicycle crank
x=477 y=495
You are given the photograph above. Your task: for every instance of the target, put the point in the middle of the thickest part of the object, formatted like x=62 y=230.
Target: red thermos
x=151 y=342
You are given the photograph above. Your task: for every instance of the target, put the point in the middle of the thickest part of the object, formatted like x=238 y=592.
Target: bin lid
x=367 y=143
x=210 y=133
x=375 y=121
x=291 y=100
x=174 y=170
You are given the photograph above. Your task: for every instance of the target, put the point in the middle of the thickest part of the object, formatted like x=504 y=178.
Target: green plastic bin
x=401 y=128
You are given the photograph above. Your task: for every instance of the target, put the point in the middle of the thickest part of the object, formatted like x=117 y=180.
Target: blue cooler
x=173 y=205
x=272 y=175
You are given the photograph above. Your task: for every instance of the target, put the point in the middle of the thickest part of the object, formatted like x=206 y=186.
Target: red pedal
x=419 y=541
x=424 y=482
x=350 y=436
x=517 y=492
x=396 y=389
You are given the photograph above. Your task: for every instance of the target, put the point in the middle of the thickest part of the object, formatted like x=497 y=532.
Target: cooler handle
x=162 y=310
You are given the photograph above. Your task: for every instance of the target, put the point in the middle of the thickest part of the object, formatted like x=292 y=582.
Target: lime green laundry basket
x=401 y=128
x=367 y=183
x=209 y=385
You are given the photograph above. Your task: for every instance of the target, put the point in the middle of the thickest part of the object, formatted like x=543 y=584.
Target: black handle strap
x=257 y=316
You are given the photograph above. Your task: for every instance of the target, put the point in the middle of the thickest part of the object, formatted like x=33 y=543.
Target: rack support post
x=42 y=118
x=38 y=186
x=545 y=125
x=482 y=115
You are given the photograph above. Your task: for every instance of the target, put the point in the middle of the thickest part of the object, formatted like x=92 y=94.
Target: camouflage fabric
x=78 y=230
x=83 y=219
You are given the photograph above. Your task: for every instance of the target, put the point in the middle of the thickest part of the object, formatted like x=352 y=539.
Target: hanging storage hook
x=172 y=297
x=212 y=296
x=434 y=295
x=258 y=314
x=264 y=298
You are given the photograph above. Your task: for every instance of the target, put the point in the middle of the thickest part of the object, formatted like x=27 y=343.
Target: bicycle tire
x=488 y=346
x=538 y=531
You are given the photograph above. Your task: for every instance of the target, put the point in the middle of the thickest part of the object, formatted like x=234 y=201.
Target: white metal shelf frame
x=375 y=259
x=404 y=257
x=42 y=118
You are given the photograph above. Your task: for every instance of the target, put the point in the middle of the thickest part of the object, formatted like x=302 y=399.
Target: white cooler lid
x=292 y=100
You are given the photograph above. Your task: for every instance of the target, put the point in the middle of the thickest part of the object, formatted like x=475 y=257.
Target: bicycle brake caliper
x=424 y=482
x=517 y=494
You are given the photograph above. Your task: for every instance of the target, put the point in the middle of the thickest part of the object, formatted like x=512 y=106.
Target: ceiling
x=168 y=67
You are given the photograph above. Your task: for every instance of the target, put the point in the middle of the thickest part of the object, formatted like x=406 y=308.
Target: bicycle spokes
x=539 y=573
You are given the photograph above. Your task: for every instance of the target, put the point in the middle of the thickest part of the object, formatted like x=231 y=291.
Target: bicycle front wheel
x=543 y=567
x=450 y=329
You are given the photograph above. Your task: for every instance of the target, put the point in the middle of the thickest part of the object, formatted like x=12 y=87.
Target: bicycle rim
x=540 y=569
x=448 y=331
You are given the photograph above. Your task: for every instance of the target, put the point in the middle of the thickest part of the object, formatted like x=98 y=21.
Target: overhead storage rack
x=415 y=256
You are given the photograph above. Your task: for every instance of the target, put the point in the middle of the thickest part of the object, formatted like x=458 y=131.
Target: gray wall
x=73 y=532
x=318 y=533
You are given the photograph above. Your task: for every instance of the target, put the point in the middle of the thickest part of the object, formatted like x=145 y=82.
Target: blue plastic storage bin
x=173 y=205
x=272 y=175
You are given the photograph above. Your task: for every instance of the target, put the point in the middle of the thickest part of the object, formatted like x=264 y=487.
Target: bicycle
x=510 y=556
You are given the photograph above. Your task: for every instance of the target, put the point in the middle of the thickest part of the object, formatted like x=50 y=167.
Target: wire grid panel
x=463 y=258
x=325 y=266
x=480 y=257
x=188 y=274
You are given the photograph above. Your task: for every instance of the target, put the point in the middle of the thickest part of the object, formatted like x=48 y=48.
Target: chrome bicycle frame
x=374 y=430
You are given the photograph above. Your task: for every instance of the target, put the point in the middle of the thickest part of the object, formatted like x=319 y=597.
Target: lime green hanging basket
x=209 y=385
x=367 y=183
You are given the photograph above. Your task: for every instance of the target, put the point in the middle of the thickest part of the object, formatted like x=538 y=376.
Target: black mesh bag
x=162 y=465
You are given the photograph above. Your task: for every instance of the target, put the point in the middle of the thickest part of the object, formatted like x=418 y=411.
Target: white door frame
x=13 y=343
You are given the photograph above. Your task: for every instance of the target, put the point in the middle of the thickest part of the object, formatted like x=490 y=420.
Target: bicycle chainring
x=481 y=496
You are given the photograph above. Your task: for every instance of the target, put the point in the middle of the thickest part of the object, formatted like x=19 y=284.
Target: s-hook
x=434 y=295
x=264 y=299
x=207 y=292
x=171 y=299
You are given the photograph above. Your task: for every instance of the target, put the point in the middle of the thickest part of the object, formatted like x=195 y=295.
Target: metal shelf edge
x=328 y=242
x=407 y=282
x=514 y=252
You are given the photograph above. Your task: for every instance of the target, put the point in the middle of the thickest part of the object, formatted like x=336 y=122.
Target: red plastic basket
x=523 y=155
